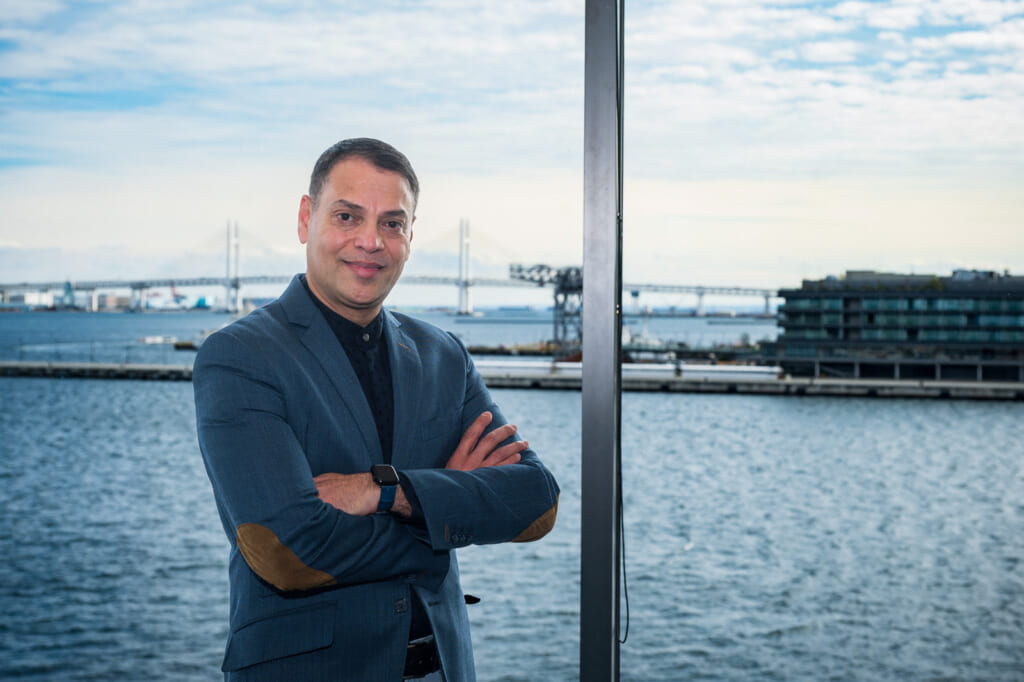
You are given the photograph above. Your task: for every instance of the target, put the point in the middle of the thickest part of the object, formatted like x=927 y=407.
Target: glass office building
x=866 y=324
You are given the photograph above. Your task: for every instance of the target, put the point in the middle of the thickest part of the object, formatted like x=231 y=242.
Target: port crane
x=568 y=285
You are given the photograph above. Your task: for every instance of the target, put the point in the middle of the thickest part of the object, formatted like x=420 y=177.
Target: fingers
x=475 y=430
x=324 y=482
x=468 y=441
x=508 y=454
x=491 y=441
x=476 y=450
x=487 y=446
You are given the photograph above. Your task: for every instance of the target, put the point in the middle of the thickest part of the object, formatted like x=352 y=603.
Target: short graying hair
x=380 y=154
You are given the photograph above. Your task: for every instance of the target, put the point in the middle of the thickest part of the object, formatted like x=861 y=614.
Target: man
x=352 y=449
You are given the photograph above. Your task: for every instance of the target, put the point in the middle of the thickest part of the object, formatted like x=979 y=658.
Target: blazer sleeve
x=264 y=487
x=510 y=503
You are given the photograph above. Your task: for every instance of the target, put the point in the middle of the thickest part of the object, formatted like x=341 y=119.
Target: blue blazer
x=317 y=593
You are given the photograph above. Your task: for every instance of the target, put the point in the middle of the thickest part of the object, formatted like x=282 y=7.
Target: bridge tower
x=465 y=297
x=138 y=296
x=232 y=284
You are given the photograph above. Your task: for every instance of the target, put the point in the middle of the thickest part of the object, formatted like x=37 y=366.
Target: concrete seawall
x=745 y=379
x=868 y=388
x=96 y=370
x=568 y=377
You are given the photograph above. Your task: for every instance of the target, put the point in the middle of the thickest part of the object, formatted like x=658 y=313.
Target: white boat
x=154 y=340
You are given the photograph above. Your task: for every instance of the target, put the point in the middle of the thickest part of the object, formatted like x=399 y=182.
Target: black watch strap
x=386 y=477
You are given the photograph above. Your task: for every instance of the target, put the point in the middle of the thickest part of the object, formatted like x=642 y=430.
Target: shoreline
x=568 y=377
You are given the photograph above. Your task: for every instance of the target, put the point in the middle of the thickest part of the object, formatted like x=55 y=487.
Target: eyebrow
x=346 y=204
x=398 y=212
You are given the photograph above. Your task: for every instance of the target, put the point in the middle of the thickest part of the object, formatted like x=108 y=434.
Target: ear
x=305 y=215
x=411 y=224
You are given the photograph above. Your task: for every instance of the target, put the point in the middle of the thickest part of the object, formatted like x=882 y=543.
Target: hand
x=357 y=494
x=475 y=452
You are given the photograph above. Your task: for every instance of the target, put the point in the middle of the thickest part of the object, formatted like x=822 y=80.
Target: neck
x=360 y=316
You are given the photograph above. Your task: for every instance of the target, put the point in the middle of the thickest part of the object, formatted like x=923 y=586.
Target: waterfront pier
x=567 y=376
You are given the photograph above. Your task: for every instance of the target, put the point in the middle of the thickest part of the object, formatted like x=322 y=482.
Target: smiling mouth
x=365 y=269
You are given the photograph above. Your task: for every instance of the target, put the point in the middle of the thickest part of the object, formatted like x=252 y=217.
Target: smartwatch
x=386 y=477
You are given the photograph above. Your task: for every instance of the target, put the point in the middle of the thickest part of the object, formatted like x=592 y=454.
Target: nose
x=368 y=237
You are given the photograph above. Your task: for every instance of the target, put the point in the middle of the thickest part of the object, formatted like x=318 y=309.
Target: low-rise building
x=968 y=326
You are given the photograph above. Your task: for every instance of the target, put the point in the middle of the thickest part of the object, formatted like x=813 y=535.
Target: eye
x=343 y=217
x=394 y=225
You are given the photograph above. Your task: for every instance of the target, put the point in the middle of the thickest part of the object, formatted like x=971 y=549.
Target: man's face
x=357 y=239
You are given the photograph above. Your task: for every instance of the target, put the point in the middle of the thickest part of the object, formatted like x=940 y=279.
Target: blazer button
x=401 y=605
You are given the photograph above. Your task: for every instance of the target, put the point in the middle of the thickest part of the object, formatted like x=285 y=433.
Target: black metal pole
x=602 y=342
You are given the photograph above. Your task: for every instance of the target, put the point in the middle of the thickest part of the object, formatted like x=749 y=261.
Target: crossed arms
x=358 y=495
x=266 y=432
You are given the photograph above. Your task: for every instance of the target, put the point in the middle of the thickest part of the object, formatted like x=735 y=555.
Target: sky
x=765 y=142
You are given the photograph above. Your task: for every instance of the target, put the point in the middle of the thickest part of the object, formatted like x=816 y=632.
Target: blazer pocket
x=284 y=634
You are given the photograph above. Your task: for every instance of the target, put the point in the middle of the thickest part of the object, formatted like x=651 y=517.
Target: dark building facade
x=866 y=324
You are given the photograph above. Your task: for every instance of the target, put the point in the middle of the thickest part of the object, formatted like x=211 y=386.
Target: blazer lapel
x=323 y=346
x=406 y=385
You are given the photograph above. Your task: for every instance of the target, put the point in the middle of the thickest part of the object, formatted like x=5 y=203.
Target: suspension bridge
x=566 y=282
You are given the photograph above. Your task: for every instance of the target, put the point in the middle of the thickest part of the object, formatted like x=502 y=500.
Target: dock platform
x=96 y=370
x=666 y=378
x=741 y=379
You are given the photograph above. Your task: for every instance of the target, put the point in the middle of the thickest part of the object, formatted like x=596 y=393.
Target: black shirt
x=367 y=352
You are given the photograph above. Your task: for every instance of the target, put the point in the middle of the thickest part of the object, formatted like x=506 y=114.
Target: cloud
x=148 y=124
x=831 y=51
x=830 y=224
x=27 y=12
x=893 y=17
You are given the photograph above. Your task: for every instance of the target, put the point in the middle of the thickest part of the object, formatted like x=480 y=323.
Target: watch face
x=384 y=474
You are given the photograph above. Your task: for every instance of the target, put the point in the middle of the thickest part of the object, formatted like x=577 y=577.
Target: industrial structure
x=866 y=324
x=568 y=293
x=567 y=309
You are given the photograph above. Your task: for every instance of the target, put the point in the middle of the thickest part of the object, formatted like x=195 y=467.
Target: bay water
x=767 y=538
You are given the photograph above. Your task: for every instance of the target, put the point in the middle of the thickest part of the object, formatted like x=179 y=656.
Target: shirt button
x=366 y=337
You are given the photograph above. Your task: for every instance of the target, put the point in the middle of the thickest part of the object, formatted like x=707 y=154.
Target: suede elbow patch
x=271 y=560
x=539 y=528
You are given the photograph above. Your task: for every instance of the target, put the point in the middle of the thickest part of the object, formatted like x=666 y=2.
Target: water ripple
x=767 y=539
